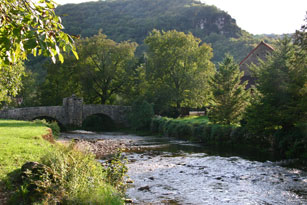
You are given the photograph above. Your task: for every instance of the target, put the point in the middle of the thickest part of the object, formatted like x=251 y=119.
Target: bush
x=154 y=126
x=53 y=125
x=55 y=128
x=141 y=114
x=115 y=170
x=77 y=179
x=171 y=129
x=185 y=131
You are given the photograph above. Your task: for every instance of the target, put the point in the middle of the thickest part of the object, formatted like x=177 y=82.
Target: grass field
x=81 y=178
x=20 y=142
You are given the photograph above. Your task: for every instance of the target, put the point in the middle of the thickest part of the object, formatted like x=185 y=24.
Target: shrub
x=55 y=128
x=162 y=125
x=207 y=133
x=185 y=131
x=80 y=179
x=141 y=114
x=115 y=170
x=199 y=132
x=53 y=125
x=170 y=129
x=155 y=123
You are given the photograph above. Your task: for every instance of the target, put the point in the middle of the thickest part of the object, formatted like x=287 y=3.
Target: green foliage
x=141 y=114
x=104 y=66
x=65 y=175
x=69 y=177
x=55 y=128
x=10 y=81
x=135 y=19
x=280 y=101
x=197 y=129
x=28 y=28
x=100 y=76
x=177 y=69
x=229 y=98
x=115 y=170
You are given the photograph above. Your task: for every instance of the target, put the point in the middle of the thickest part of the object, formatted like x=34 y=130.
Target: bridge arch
x=98 y=122
x=108 y=110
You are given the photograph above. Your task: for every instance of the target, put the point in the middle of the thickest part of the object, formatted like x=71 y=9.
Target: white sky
x=257 y=16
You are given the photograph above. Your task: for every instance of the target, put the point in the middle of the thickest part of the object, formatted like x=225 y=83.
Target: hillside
x=133 y=20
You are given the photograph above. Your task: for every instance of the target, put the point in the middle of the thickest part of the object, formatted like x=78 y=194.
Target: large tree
x=103 y=72
x=280 y=100
x=178 y=67
x=230 y=97
x=105 y=66
x=28 y=28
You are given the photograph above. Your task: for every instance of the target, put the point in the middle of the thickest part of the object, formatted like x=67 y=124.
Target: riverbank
x=289 y=144
x=69 y=177
x=170 y=171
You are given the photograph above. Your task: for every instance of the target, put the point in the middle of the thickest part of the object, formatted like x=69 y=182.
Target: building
x=260 y=52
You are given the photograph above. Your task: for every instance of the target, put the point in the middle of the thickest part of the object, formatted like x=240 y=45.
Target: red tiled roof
x=261 y=43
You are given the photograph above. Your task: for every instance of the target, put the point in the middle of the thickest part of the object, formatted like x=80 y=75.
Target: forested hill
x=133 y=20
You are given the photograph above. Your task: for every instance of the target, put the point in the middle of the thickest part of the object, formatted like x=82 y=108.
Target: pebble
x=144 y=188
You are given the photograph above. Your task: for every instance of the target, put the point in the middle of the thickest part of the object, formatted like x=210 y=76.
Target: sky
x=257 y=16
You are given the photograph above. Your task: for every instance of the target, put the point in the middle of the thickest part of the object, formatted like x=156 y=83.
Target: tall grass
x=69 y=176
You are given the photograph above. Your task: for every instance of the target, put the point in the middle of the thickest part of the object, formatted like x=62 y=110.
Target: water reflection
x=168 y=171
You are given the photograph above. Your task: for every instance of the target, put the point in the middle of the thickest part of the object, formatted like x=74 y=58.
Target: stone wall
x=73 y=112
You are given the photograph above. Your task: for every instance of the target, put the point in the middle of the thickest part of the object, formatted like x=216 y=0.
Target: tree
x=230 y=97
x=177 y=69
x=141 y=114
x=104 y=71
x=62 y=80
x=280 y=101
x=10 y=81
x=300 y=40
x=28 y=28
x=105 y=66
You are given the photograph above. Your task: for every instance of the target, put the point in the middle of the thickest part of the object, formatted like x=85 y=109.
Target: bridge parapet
x=30 y=113
x=73 y=112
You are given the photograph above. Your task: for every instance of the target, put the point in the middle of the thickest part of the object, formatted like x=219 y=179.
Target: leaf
x=30 y=44
x=75 y=54
x=61 y=58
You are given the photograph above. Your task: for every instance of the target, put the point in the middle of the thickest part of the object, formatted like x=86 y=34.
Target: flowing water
x=168 y=171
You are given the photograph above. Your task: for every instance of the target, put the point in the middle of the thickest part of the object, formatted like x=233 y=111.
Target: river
x=169 y=171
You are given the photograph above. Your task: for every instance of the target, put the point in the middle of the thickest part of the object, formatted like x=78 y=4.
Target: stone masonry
x=73 y=112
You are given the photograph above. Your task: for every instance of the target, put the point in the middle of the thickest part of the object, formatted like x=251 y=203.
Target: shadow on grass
x=20 y=124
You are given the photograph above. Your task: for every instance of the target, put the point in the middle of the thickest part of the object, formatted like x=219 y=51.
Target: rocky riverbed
x=103 y=146
x=169 y=171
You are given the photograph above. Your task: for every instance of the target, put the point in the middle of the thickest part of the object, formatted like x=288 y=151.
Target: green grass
x=193 y=119
x=20 y=142
x=81 y=178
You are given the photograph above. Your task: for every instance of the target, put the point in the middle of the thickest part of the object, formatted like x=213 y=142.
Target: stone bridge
x=72 y=113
